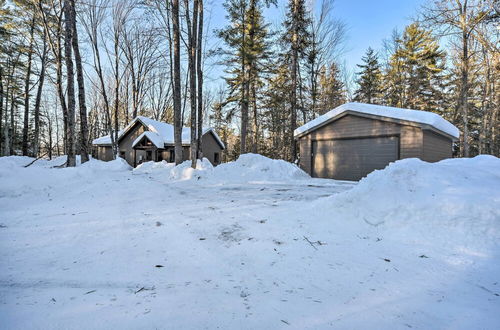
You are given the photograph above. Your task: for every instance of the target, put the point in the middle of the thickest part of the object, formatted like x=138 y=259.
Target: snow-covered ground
x=254 y=244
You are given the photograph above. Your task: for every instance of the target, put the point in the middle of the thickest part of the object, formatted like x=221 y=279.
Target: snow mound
x=181 y=172
x=247 y=168
x=151 y=167
x=184 y=171
x=253 y=167
x=459 y=196
x=116 y=165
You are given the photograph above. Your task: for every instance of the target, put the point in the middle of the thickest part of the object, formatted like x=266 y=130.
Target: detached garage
x=355 y=139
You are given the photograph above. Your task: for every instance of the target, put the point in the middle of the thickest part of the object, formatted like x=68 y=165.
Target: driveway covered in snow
x=254 y=244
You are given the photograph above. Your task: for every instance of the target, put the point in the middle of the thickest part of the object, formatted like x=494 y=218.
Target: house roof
x=417 y=116
x=152 y=136
x=105 y=140
x=157 y=132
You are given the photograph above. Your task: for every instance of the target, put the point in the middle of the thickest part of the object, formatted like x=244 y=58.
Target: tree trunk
x=10 y=131
x=200 y=81
x=255 y=147
x=245 y=89
x=43 y=59
x=293 y=105
x=177 y=84
x=117 y=86
x=68 y=36
x=192 y=32
x=464 y=89
x=84 y=130
x=1 y=106
x=60 y=91
x=27 y=89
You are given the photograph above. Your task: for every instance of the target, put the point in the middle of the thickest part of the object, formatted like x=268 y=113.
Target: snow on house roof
x=163 y=133
x=418 y=116
x=156 y=139
x=105 y=140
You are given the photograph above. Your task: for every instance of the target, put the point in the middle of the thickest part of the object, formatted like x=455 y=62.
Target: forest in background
x=72 y=71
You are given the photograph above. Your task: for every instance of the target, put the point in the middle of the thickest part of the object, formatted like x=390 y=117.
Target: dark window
x=149 y=155
x=172 y=156
x=160 y=156
x=122 y=154
x=216 y=158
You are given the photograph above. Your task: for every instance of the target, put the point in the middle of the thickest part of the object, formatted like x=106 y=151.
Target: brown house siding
x=126 y=141
x=105 y=153
x=209 y=147
x=436 y=147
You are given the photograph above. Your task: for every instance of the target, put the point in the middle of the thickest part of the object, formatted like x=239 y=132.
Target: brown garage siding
x=352 y=126
x=436 y=147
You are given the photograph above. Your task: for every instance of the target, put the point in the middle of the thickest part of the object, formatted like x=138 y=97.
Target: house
x=145 y=139
x=354 y=139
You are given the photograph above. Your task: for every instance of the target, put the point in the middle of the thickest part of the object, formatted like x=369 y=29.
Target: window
x=172 y=156
x=122 y=154
x=149 y=155
x=160 y=156
x=216 y=158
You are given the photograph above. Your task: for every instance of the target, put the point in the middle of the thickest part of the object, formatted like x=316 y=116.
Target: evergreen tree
x=247 y=48
x=370 y=79
x=297 y=38
x=415 y=70
x=331 y=89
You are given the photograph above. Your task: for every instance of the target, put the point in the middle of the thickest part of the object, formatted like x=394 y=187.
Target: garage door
x=352 y=159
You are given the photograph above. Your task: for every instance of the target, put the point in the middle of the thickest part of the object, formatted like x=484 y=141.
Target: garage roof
x=417 y=116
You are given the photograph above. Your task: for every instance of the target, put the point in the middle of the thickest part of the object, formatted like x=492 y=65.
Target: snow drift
x=247 y=168
x=456 y=195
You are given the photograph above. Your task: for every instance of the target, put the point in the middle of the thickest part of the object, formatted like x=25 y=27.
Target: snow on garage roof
x=418 y=116
x=163 y=131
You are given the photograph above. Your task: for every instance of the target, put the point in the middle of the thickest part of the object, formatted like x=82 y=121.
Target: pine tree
x=415 y=70
x=331 y=89
x=297 y=38
x=370 y=79
x=245 y=53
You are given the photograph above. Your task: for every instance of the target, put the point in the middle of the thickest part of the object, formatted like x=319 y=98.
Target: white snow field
x=253 y=244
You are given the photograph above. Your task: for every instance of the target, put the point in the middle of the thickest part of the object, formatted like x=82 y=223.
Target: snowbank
x=458 y=197
x=183 y=171
x=254 y=167
x=247 y=168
